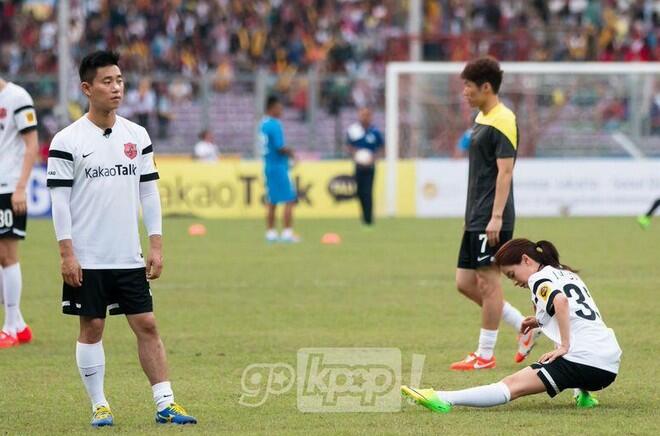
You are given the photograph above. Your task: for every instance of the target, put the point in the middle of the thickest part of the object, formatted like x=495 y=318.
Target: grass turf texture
x=228 y=300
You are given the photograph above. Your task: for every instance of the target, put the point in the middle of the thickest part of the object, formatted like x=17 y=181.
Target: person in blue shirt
x=277 y=157
x=365 y=143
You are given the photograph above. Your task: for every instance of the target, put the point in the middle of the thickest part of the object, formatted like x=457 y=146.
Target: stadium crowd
x=170 y=44
x=233 y=36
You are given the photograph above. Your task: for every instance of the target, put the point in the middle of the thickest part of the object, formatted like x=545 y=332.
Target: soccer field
x=228 y=300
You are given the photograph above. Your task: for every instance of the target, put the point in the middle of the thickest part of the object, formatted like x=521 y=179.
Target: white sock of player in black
x=163 y=395
x=482 y=396
x=487 y=341
x=12 y=284
x=512 y=316
x=91 y=364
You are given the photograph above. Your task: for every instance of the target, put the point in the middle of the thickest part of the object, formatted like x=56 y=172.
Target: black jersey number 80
x=591 y=315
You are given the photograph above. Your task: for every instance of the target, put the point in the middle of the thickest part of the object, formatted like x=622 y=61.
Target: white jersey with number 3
x=592 y=342
x=17 y=116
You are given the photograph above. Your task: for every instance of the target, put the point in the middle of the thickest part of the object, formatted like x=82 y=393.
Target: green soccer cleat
x=584 y=400
x=644 y=221
x=426 y=398
x=102 y=417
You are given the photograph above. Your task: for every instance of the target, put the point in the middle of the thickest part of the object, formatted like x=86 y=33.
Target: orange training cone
x=197 y=230
x=331 y=239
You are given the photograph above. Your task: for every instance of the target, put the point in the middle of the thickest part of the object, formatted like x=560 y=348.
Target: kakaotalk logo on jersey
x=117 y=170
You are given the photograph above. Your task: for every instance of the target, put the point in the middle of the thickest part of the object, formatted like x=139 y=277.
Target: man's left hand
x=154 y=264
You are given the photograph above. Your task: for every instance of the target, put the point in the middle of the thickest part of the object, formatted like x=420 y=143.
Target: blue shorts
x=279 y=188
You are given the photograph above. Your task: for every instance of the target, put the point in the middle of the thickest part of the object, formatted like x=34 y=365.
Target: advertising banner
x=547 y=187
x=234 y=189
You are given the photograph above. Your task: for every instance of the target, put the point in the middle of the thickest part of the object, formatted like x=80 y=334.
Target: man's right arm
x=71 y=270
x=60 y=181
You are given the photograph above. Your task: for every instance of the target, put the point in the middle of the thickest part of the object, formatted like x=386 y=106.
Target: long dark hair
x=543 y=252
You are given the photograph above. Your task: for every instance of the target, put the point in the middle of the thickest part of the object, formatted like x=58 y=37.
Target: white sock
x=12 y=283
x=271 y=234
x=91 y=364
x=487 y=341
x=512 y=316
x=163 y=395
x=287 y=233
x=482 y=396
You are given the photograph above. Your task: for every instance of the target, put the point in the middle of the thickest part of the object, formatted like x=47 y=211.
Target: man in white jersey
x=100 y=171
x=18 y=151
x=587 y=355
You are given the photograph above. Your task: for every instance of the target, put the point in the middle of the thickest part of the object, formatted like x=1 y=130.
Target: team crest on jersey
x=544 y=291
x=130 y=150
x=3 y=112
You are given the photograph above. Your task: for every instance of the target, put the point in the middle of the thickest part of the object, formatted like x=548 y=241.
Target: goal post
x=589 y=106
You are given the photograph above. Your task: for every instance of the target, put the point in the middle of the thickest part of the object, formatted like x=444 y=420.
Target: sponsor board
x=547 y=187
x=235 y=189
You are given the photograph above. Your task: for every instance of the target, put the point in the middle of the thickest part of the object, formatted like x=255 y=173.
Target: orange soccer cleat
x=526 y=343
x=7 y=341
x=471 y=362
x=25 y=335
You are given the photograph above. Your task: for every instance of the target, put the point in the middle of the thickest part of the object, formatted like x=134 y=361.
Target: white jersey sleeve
x=148 y=169
x=544 y=291
x=17 y=117
x=60 y=163
x=25 y=116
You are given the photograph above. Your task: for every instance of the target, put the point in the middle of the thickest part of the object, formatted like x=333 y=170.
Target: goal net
x=563 y=110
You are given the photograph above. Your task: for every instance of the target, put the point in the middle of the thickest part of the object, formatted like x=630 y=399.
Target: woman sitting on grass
x=586 y=356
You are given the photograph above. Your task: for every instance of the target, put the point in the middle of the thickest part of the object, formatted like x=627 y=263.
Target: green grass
x=228 y=300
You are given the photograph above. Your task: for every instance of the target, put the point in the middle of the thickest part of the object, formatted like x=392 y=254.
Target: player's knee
x=463 y=288
x=91 y=330
x=488 y=285
x=516 y=388
x=146 y=327
x=8 y=255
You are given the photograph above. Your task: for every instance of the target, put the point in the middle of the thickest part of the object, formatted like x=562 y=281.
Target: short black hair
x=272 y=101
x=484 y=70
x=93 y=61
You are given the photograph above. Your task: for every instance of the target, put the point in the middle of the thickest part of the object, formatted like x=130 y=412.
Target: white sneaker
x=291 y=239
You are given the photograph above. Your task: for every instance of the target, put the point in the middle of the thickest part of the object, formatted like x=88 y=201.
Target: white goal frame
x=395 y=69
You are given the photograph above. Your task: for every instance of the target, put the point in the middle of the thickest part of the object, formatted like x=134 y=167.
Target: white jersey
x=104 y=172
x=17 y=116
x=592 y=342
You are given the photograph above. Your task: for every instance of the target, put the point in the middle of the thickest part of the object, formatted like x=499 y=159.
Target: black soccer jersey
x=494 y=136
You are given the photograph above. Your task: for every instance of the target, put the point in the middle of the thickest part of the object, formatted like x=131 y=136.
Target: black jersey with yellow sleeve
x=494 y=136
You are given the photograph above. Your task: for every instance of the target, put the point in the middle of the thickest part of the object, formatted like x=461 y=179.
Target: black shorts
x=120 y=291
x=562 y=374
x=475 y=251
x=11 y=225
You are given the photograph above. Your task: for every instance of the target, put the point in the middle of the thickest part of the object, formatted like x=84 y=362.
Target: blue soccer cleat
x=174 y=414
x=102 y=417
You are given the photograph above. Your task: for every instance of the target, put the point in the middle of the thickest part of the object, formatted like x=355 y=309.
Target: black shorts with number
x=11 y=225
x=562 y=374
x=120 y=291
x=475 y=251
